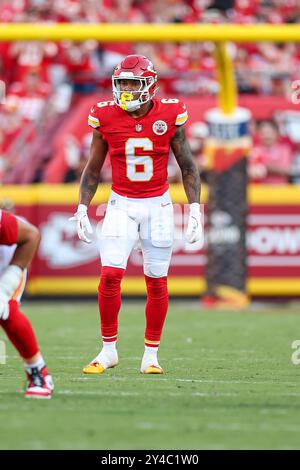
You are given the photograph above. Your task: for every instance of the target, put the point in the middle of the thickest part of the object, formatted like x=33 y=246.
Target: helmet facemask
x=126 y=98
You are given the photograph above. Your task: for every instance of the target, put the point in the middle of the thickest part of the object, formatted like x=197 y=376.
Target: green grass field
x=229 y=382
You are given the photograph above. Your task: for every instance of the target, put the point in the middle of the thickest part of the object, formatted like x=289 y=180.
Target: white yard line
x=241 y=382
x=99 y=393
x=295 y=428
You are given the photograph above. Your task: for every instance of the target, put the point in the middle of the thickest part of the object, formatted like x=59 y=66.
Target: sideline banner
x=65 y=265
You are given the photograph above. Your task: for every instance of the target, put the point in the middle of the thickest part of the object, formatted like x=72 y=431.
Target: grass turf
x=229 y=382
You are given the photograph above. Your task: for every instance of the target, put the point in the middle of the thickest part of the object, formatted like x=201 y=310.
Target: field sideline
x=230 y=382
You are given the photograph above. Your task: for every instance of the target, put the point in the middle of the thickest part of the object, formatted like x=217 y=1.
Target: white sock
x=40 y=363
x=108 y=355
x=150 y=351
x=149 y=358
x=109 y=346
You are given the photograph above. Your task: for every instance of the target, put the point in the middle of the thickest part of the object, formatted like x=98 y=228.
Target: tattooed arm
x=190 y=173
x=88 y=185
x=90 y=175
x=191 y=183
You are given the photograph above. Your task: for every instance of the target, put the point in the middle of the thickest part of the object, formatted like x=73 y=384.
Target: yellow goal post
x=147 y=32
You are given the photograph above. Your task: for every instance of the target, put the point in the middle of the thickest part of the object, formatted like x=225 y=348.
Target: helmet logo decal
x=160 y=127
x=151 y=67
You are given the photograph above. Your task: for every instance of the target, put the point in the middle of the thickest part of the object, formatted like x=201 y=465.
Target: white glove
x=83 y=223
x=194 y=231
x=9 y=282
x=4 y=307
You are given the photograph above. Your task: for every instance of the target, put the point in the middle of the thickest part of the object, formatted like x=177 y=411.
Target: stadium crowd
x=43 y=78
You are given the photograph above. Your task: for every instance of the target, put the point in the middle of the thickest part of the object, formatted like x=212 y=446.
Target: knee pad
x=157 y=286
x=110 y=278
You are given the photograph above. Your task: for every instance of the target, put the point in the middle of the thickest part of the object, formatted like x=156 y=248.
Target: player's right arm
x=88 y=185
x=90 y=175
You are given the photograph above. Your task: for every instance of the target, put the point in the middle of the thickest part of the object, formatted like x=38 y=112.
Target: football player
x=18 y=243
x=137 y=131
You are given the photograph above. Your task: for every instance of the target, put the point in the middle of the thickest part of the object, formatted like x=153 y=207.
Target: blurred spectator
x=263 y=68
x=28 y=54
x=80 y=64
x=76 y=157
x=10 y=126
x=197 y=133
x=30 y=95
x=118 y=11
x=174 y=11
x=6 y=63
x=43 y=77
x=271 y=159
x=11 y=11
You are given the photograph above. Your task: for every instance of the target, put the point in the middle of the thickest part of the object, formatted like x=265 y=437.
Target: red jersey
x=280 y=155
x=30 y=103
x=139 y=147
x=8 y=228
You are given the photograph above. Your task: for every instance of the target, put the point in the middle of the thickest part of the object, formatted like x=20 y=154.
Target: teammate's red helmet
x=134 y=67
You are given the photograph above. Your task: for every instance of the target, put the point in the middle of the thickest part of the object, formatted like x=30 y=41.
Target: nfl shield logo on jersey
x=160 y=127
x=138 y=127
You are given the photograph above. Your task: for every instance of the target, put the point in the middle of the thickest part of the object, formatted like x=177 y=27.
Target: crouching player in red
x=137 y=131
x=18 y=243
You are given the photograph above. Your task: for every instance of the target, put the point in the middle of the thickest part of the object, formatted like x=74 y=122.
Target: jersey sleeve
x=93 y=119
x=181 y=114
x=8 y=228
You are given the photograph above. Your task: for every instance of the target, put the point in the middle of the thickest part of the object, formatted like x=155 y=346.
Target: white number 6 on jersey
x=138 y=167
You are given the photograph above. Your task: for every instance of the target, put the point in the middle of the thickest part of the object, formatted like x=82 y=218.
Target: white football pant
x=147 y=221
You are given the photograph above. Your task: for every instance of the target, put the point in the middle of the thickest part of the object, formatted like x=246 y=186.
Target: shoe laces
x=35 y=377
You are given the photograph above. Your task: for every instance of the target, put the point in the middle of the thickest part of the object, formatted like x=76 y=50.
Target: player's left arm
x=189 y=171
x=27 y=238
x=89 y=184
x=27 y=244
x=191 y=182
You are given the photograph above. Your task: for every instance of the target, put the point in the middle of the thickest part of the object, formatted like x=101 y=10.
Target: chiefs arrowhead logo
x=160 y=127
x=58 y=248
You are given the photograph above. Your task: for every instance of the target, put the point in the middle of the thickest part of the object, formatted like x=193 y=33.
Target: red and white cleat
x=40 y=384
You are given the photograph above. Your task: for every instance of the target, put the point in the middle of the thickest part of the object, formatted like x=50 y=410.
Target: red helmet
x=134 y=67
